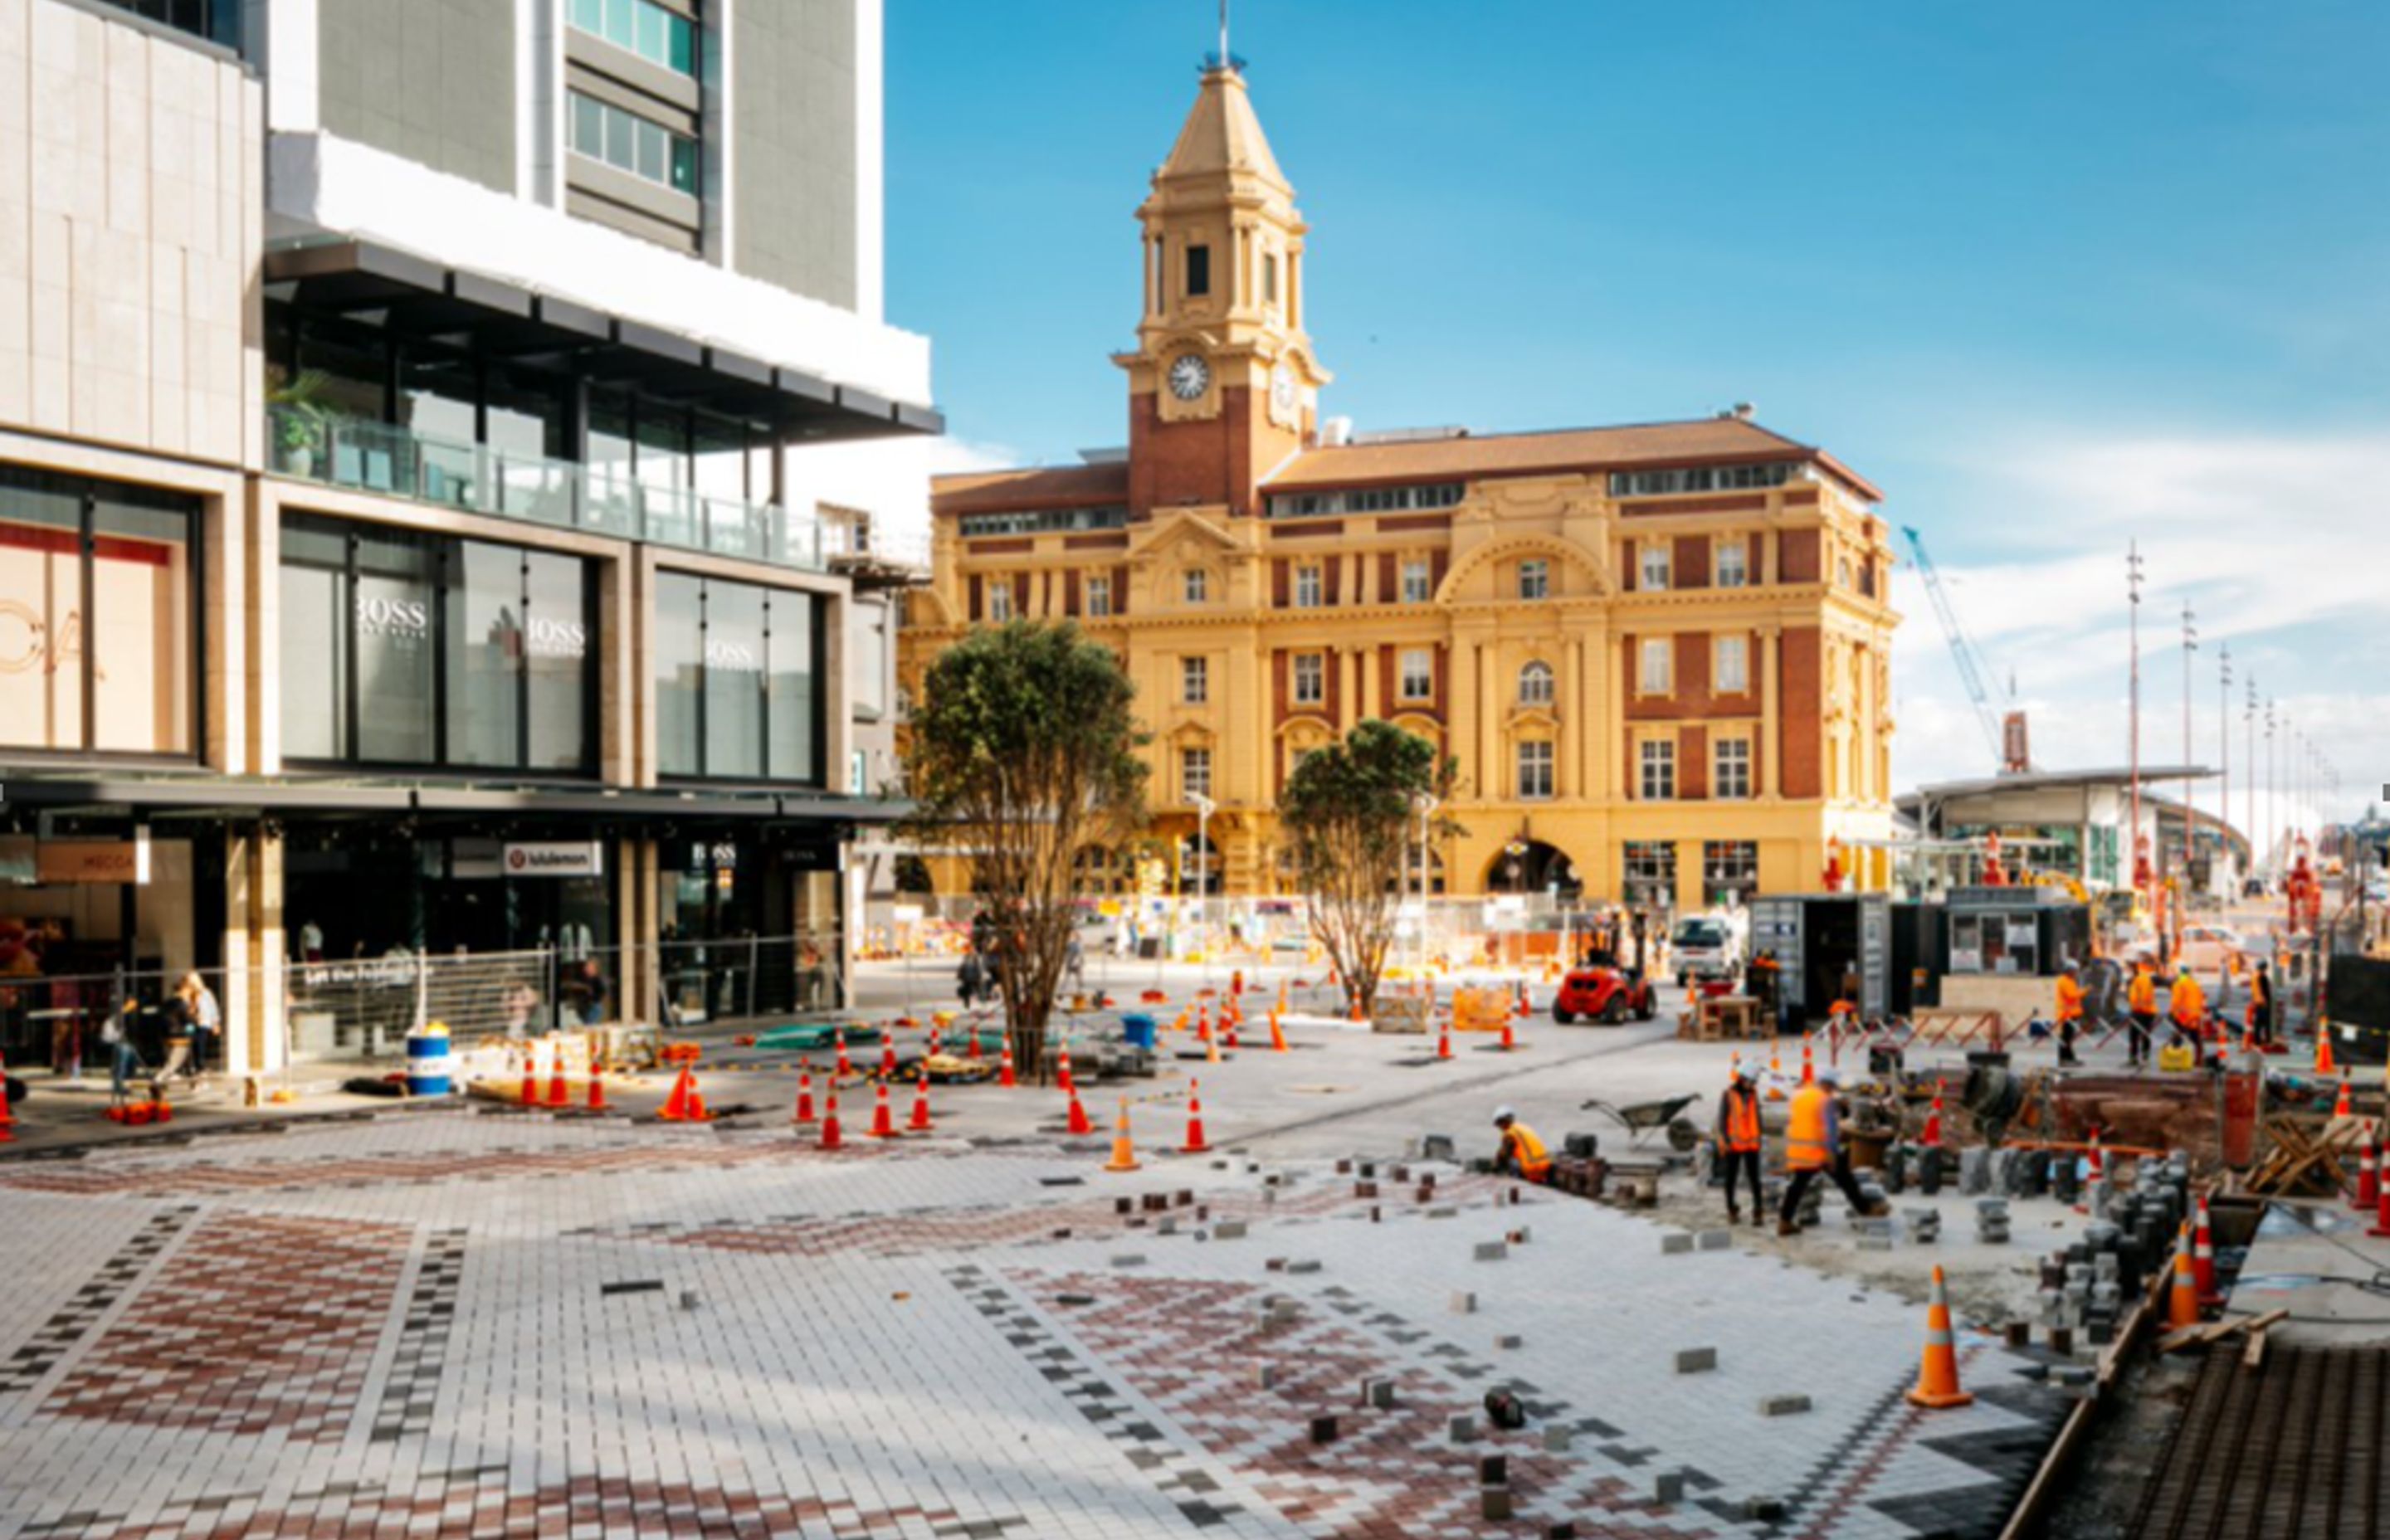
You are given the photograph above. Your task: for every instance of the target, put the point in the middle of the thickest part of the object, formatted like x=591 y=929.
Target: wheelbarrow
x=1640 y=1118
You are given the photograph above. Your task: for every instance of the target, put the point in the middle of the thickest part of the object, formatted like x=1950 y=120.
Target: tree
x=1347 y=816
x=1022 y=751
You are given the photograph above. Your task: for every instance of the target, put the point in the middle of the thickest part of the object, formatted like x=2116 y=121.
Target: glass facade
x=659 y=36
x=737 y=681
x=629 y=143
x=97 y=637
x=409 y=648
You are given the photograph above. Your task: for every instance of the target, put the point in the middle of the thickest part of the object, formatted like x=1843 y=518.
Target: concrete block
x=1556 y=1440
x=1168 y=1226
x=1229 y=1229
x=1464 y=1303
x=1436 y=1147
x=1874 y=1240
x=1975 y=1171
x=1765 y=1510
x=1265 y=1377
x=1493 y=1469
x=1700 y=1360
x=1676 y=1243
x=1507 y=1344
x=1463 y=1427
x=1444 y=1213
x=1668 y=1488
x=1491 y=1250
x=1307 y=1264
x=1378 y=1392
x=1493 y=1502
x=1783 y=1405
x=1323 y=1430
x=1714 y=1240
x=1129 y=1259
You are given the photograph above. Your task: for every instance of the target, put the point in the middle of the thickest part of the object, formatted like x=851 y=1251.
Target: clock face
x=1282 y=391
x=1190 y=377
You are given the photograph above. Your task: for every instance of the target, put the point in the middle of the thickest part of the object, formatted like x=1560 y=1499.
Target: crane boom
x=1962 y=647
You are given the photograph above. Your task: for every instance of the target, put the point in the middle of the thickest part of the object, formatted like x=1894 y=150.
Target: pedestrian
x=124 y=1060
x=2070 y=1012
x=587 y=989
x=971 y=980
x=204 y=1014
x=2186 y=1007
x=2261 y=1007
x=1074 y=965
x=1522 y=1154
x=1737 y=1141
x=2141 y=1009
x=1813 y=1143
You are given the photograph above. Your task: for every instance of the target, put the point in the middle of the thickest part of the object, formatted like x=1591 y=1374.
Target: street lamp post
x=2224 y=762
x=1425 y=806
x=1203 y=881
x=2133 y=843
x=2190 y=787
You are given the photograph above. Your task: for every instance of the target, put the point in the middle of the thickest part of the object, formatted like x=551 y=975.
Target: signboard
x=1875 y=953
x=556 y=858
x=74 y=861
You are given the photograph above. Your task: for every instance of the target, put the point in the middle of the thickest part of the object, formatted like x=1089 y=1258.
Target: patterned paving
x=452 y=1325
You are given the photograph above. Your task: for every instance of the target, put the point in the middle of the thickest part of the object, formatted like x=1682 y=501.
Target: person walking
x=1812 y=1143
x=2261 y=1007
x=2186 y=1007
x=2070 y=1012
x=204 y=1015
x=1739 y=1142
x=2141 y=1009
x=971 y=979
x=123 y=1058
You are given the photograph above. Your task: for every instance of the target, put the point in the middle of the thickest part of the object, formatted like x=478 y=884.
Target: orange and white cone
x=1808 y=1061
x=1210 y=1049
x=1062 y=1070
x=2203 y=1257
x=557 y=1093
x=529 y=1095
x=2183 y=1302
x=934 y=1050
x=596 y=1102
x=845 y=1065
x=1078 y=1124
x=1444 y=1038
x=888 y=1057
x=2340 y=1106
x=1203 y=1022
x=920 y=1122
x=7 y=1118
x=1937 y=1372
x=2323 y=1064
x=1124 y=1149
x=804 y=1110
x=1776 y=1071
x=1195 y=1144
x=831 y=1138
x=1931 y=1137
x=2095 y=1165
x=1509 y=1041
x=883 y=1118
x=1004 y=1075
x=1277 y=1033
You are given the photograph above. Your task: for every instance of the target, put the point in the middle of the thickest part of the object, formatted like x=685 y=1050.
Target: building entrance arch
x=1533 y=867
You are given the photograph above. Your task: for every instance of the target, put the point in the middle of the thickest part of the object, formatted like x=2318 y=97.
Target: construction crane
x=1963 y=650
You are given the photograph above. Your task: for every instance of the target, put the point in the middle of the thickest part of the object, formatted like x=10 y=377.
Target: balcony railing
x=398 y=462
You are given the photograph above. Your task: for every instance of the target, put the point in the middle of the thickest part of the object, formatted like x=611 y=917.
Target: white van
x=1706 y=947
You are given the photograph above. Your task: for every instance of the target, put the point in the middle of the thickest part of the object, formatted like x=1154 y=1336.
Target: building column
x=1464 y=715
x=256 y=952
x=1574 y=782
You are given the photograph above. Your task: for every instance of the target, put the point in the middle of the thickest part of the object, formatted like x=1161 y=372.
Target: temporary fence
x=74 y=1022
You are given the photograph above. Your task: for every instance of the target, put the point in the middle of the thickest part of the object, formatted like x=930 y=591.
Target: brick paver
x=448 y=1324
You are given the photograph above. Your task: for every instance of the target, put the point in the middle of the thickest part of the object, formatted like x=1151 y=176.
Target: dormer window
x=1199 y=272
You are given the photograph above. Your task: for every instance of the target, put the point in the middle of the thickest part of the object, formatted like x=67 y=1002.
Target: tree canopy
x=1021 y=749
x=1349 y=815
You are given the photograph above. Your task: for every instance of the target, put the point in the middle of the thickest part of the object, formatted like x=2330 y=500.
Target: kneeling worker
x=1813 y=1143
x=1522 y=1154
x=1738 y=1142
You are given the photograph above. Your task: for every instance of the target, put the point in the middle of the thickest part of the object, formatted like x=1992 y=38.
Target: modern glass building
x=407 y=541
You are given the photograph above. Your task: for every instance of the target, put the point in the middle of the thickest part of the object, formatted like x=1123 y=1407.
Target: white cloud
x=2276 y=543
x=888 y=477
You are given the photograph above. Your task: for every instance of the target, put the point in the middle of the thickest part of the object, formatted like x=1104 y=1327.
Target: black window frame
x=819 y=606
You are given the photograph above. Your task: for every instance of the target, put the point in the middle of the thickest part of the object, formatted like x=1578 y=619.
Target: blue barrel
x=428 y=1071
x=1139 y=1030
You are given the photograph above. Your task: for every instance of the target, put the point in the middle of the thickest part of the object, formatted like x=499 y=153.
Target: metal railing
x=392 y=461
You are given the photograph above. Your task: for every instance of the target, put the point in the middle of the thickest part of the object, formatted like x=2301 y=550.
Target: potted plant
x=300 y=418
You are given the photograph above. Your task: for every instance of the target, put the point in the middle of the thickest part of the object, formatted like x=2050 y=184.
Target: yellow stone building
x=1661 y=653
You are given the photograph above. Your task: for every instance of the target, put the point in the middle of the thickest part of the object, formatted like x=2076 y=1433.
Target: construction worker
x=2070 y=1012
x=2186 y=1007
x=2261 y=1006
x=1737 y=1141
x=2141 y=1009
x=1812 y=1143
x=1522 y=1154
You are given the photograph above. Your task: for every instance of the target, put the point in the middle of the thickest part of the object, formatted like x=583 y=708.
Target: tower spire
x=1224 y=60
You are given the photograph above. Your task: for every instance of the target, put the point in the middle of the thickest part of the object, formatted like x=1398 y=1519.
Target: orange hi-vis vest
x=2070 y=1000
x=1739 y=1122
x=1521 y=1144
x=2189 y=1001
x=2261 y=994
x=2143 y=996
x=1805 y=1135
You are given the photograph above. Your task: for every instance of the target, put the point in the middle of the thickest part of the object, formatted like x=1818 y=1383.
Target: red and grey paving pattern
x=451 y=1325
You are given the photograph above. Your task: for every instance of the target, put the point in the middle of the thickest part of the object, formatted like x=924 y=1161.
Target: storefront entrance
x=748 y=925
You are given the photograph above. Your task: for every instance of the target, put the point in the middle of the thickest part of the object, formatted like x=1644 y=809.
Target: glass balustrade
x=398 y=462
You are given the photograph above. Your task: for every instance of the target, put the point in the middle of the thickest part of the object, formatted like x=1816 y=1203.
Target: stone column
x=255 y=952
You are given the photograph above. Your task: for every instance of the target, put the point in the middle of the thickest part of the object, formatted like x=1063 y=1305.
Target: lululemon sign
x=556 y=858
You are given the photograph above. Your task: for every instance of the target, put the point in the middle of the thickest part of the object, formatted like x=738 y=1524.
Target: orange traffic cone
x=888 y=1057
x=7 y=1118
x=2340 y=1107
x=2323 y=1065
x=683 y=1105
x=1444 y=1038
x=1062 y=1070
x=1078 y=1124
x=1277 y=1033
x=1281 y=995
x=2182 y=1302
x=1004 y=1075
x=933 y=1040
x=2203 y=1256
x=596 y=1102
x=883 y=1119
x=845 y=1066
x=1210 y=1049
x=1123 y=1151
x=1235 y=1019
x=1937 y=1374
x=1775 y=1070
x=1204 y=1022
x=1808 y=1061
x=831 y=1138
x=2096 y=1166
x=529 y=1095
x=1195 y=1144
x=970 y=1039
x=557 y=1095
x=1509 y=1041
x=804 y=1111
x=920 y=1122
x=1931 y=1137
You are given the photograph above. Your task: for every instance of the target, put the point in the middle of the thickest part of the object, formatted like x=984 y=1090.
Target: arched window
x=1535 y=684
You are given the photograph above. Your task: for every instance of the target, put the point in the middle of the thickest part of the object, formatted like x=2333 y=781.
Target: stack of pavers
x=1924 y=1225
x=1992 y=1221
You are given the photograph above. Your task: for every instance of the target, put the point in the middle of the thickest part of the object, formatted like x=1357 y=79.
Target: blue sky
x=2051 y=274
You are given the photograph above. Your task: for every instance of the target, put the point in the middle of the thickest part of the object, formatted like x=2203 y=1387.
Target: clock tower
x=1222 y=385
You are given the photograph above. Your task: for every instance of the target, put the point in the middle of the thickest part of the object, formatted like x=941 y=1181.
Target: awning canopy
x=216 y=797
x=496 y=318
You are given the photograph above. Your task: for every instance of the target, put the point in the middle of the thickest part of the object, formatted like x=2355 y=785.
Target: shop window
x=737 y=680
x=1649 y=869
x=408 y=648
x=96 y=634
x=1729 y=866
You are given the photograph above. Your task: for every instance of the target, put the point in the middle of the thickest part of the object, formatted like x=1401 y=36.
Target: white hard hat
x=1503 y=1114
x=1830 y=1076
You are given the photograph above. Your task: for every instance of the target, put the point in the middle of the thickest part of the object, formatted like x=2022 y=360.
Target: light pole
x=1203 y=881
x=2224 y=762
x=2189 y=811
x=2249 y=746
x=1424 y=805
x=2133 y=845
x=2273 y=785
